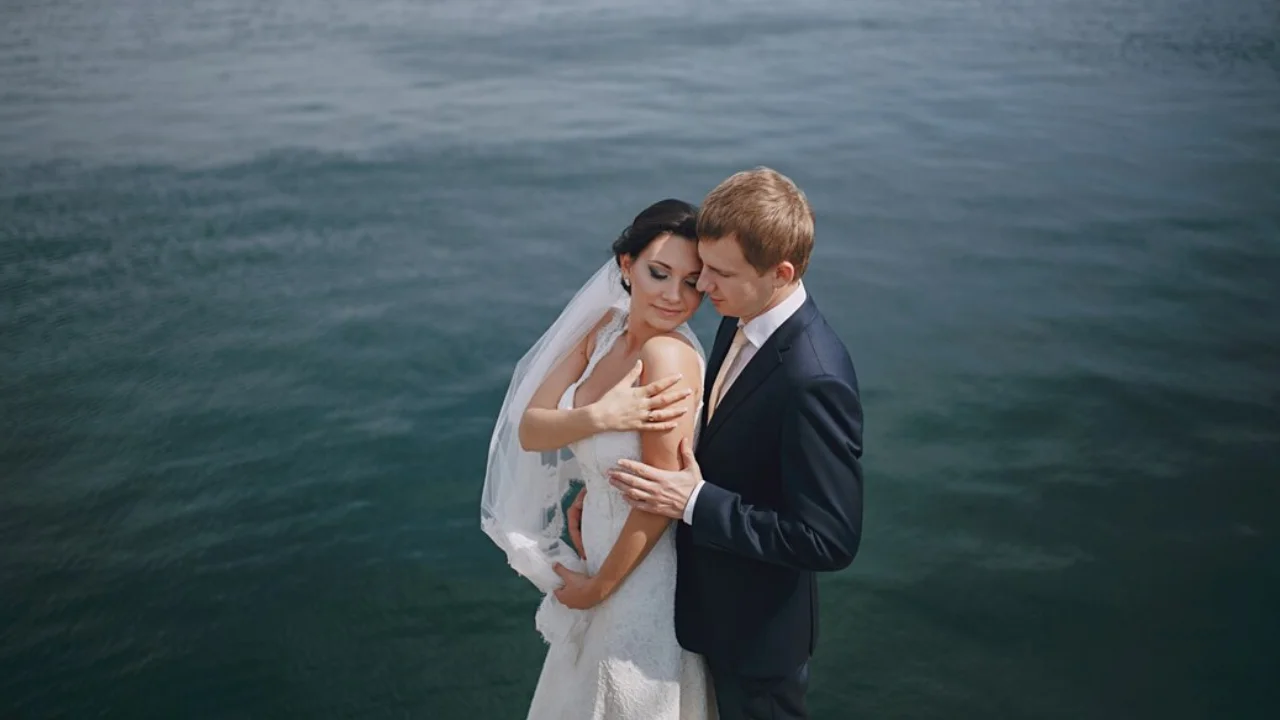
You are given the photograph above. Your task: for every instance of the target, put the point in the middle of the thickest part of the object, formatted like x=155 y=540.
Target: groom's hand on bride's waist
x=661 y=492
x=575 y=523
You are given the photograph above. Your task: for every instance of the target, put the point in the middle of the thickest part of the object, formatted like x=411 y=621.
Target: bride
x=608 y=605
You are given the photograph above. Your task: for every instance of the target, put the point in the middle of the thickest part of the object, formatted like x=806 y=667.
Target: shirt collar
x=766 y=324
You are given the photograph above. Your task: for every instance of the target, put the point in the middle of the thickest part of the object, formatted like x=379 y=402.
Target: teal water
x=265 y=269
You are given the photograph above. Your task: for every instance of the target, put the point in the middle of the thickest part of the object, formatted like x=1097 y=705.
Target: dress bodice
x=598 y=453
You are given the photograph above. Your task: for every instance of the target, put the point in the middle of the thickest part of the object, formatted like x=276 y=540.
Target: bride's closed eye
x=659 y=275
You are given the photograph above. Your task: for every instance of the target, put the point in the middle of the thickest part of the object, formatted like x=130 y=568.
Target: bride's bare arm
x=662 y=356
x=654 y=407
x=543 y=427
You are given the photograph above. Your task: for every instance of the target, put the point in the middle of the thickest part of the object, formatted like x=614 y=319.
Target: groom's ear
x=784 y=273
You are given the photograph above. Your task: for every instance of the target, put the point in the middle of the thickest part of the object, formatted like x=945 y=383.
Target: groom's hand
x=575 y=523
x=661 y=492
x=649 y=408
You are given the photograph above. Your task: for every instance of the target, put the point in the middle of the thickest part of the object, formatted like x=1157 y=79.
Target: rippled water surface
x=265 y=269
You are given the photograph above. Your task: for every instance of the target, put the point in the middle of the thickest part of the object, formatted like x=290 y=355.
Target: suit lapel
x=765 y=361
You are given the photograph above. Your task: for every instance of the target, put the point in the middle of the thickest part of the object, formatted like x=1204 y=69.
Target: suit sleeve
x=820 y=526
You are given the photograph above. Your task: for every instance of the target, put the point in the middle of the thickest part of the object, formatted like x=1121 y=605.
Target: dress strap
x=604 y=341
x=605 y=337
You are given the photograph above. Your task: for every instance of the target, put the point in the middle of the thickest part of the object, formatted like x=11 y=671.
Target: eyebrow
x=668 y=268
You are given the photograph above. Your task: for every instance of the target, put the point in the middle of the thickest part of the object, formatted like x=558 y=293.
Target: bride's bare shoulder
x=673 y=341
x=669 y=353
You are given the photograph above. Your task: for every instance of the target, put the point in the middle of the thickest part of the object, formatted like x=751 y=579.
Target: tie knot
x=739 y=338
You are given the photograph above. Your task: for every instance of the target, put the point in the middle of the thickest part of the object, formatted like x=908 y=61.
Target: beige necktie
x=739 y=340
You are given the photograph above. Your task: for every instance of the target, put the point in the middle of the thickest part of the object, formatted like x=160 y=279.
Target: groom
x=774 y=493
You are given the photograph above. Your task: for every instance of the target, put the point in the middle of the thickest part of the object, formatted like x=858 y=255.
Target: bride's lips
x=667 y=313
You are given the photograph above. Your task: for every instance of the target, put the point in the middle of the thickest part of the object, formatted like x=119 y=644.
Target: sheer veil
x=521 y=507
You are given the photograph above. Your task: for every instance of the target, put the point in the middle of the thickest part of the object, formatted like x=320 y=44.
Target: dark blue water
x=265 y=269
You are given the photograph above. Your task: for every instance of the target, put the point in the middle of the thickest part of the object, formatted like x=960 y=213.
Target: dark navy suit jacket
x=783 y=500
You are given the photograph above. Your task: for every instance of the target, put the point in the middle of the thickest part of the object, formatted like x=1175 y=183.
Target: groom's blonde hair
x=768 y=215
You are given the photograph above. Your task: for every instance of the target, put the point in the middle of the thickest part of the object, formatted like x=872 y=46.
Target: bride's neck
x=638 y=333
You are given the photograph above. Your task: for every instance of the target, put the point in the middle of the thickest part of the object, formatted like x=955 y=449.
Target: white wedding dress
x=630 y=666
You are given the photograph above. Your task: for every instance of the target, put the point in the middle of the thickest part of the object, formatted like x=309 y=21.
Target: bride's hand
x=649 y=407
x=579 y=591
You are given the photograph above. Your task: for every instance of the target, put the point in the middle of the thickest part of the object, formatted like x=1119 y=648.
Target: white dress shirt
x=757 y=331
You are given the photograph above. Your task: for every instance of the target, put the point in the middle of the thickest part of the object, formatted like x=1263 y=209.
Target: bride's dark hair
x=665 y=216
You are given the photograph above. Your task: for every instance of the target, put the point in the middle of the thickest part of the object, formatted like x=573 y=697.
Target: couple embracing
x=716 y=486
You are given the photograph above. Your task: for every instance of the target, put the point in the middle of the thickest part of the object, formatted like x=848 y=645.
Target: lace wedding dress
x=630 y=666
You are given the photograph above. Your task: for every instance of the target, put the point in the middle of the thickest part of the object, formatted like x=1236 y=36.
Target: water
x=266 y=268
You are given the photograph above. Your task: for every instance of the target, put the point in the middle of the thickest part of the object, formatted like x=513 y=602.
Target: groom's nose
x=704 y=284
